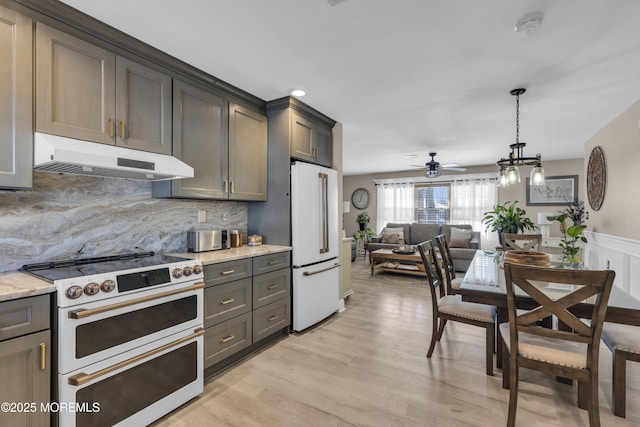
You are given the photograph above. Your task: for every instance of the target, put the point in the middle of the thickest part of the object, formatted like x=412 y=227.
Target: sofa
x=462 y=251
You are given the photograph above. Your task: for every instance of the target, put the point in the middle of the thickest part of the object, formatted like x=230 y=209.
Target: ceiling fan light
x=537 y=176
x=432 y=173
x=513 y=174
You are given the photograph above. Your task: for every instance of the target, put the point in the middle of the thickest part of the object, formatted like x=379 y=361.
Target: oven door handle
x=82 y=313
x=82 y=378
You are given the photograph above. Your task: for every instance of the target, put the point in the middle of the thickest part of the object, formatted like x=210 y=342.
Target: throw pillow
x=460 y=238
x=389 y=230
x=395 y=238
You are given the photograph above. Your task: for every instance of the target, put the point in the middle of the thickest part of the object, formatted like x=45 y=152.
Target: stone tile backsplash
x=67 y=216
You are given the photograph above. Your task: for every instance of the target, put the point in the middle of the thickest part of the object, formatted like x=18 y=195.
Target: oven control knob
x=187 y=271
x=108 y=285
x=91 y=288
x=197 y=269
x=74 y=292
x=177 y=273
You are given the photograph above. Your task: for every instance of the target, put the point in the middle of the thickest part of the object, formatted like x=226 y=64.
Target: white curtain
x=470 y=199
x=395 y=204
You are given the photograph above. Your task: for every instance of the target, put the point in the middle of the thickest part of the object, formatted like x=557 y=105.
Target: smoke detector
x=529 y=24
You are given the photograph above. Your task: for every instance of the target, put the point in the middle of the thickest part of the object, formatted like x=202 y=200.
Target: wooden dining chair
x=521 y=242
x=624 y=344
x=571 y=353
x=453 y=283
x=451 y=307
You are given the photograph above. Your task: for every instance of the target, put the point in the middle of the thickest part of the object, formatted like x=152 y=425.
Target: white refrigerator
x=314 y=238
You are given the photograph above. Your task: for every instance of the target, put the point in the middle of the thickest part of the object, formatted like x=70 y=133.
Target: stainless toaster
x=207 y=240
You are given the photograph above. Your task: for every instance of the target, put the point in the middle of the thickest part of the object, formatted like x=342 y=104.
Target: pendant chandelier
x=509 y=172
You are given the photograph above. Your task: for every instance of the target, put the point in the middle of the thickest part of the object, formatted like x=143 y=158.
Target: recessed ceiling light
x=297 y=92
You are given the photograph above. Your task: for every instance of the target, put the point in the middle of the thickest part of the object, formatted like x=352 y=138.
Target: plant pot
x=363 y=226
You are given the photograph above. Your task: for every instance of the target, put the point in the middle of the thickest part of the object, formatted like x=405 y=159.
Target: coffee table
x=381 y=259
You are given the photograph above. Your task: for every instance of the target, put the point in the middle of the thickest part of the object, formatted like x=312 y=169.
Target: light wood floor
x=366 y=366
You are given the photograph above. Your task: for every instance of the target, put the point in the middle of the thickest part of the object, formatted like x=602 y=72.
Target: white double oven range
x=128 y=340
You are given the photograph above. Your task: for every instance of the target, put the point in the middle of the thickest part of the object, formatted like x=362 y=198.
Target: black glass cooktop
x=59 y=270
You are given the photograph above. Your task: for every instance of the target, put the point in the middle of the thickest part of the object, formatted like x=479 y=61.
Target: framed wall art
x=557 y=190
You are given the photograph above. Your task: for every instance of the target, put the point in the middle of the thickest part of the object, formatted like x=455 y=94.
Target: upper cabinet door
x=302 y=143
x=200 y=140
x=248 y=155
x=16 y=143
x=143 y=108
x=75 y=92
x=324 y=146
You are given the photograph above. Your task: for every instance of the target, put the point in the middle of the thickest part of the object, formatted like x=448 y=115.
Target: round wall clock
x=596 y=178
x=361 y=198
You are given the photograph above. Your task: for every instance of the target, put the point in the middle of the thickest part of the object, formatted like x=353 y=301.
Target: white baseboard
x=620 y=254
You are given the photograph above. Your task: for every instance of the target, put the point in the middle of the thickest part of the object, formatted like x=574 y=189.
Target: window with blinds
x=433 y=203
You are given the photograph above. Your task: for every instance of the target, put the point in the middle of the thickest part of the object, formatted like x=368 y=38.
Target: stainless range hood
x=65 y=155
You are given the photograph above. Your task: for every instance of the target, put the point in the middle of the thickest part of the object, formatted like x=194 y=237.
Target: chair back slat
x=521 y=242
x=434 y=275
x=586 y=284
x=447 y=261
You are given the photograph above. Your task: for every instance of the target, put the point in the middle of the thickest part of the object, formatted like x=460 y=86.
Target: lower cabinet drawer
x=227 y=338
x=270 y=318
x=271 y=287
x=222 y=302
x=24 y=316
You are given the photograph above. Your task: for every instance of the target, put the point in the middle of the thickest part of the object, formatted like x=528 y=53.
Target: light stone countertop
x=16 y=284
x=246 y=251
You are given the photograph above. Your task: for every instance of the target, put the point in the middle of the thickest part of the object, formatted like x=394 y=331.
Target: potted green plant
x=363 y=219
x=507 y=218
x=572 y=235
x=365 y=235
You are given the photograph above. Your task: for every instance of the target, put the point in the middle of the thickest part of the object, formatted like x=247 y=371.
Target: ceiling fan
x=433 y=168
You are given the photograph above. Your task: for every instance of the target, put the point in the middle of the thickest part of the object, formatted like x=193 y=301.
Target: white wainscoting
x=616 y=253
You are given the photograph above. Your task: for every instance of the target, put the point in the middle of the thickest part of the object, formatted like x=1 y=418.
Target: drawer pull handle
x=227 y=339
x=274 y=286
x=272 y=318
x=224 y=273
x=273 y=262
x=43 y=356
x=227 y=301
x=111 y=123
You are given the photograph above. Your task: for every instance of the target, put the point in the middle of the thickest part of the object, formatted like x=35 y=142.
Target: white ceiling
x=413 y=76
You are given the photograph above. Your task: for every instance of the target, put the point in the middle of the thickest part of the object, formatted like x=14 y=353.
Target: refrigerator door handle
x=325 y=212
x=311 y=273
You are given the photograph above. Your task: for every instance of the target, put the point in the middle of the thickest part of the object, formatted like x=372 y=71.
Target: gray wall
x=69 y=216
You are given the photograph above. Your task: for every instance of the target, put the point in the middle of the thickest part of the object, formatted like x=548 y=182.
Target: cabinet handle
x=274 y=286
x=273 y=262
x=224 y=183
x=43 y=356
x=227 y=301
x=231 y=187
x=224 y=273
x=227 y=339
x=272 y=318
x=111 y=129
x=121 y=129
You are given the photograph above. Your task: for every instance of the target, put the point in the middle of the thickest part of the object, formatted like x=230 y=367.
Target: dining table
x=484 y=282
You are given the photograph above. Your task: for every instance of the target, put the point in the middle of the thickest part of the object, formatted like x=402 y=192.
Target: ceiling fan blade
x=453 y=168
x=418 y=166
x=451 y=165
